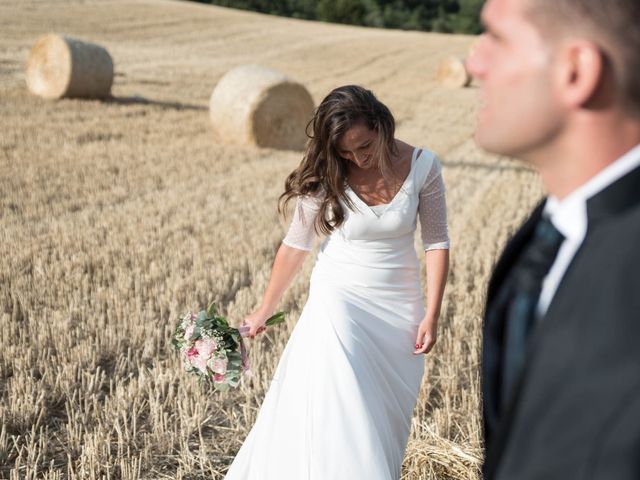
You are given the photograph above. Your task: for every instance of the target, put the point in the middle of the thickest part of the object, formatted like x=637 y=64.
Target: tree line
x=451 y=16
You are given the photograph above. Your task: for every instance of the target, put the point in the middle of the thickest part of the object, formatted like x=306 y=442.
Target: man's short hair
x=613 y=24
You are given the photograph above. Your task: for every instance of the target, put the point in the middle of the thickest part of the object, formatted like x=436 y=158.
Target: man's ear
x=580 y=73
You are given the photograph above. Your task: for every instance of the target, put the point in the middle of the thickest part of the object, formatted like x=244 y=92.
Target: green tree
x=461 y=16
x=354 y=12
x=468 y=18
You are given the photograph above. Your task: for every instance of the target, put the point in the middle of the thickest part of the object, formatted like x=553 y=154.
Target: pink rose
x=218 y=377
x=218 y=365
x=199 y=362
x=206 y=347
x=200 y=354
x=193 y=352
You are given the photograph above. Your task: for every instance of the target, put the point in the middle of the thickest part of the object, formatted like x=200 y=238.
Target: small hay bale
x=257 y=106
x=61 y=66
x=452 y=73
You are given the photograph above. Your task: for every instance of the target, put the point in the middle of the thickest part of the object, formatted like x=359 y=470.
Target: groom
x=561 y=354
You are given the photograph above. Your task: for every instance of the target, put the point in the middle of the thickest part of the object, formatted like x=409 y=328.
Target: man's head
x=544 y=64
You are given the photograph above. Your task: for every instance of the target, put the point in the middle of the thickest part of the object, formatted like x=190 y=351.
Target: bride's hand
x=256 y=322
x=427 y=335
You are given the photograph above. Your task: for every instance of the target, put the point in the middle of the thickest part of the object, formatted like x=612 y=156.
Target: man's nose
x=476 y=62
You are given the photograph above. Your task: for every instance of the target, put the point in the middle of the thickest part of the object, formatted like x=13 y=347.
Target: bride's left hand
x=427 y=336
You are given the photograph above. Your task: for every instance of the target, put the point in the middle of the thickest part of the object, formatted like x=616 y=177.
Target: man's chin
x=483 y=141
x=492 y=142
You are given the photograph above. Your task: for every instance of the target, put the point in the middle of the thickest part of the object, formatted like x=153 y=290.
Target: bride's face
x=357 y=145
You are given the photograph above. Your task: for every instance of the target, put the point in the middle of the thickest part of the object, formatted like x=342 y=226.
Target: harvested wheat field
x=119 y=215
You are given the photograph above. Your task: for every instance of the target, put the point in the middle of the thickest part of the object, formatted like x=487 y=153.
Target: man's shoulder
x=608 y=263
x=622 y=229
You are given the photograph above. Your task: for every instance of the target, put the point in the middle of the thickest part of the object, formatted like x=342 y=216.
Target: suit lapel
x=615 y=199
x=496 y=419
x=512 y=251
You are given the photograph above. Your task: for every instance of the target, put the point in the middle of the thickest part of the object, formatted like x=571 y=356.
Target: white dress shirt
x=569 y=216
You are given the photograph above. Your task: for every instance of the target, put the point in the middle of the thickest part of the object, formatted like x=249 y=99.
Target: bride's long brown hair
x=322 y=170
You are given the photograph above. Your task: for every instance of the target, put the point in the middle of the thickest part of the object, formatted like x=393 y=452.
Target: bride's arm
x=432 y=211
x=286 y=265
x=289 y=259
x=437 y=262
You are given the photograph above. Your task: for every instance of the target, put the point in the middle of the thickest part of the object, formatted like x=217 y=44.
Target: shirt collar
x=569 y=216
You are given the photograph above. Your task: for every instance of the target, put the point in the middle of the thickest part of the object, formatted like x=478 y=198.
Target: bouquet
x=212 y=349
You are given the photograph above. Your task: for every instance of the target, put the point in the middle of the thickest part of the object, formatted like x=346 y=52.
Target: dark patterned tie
x=520 y=296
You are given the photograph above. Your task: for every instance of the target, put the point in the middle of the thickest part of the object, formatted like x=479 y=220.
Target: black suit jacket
x=575 y=413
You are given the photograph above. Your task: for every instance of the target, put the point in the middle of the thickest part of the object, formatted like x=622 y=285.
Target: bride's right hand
x=256 y=322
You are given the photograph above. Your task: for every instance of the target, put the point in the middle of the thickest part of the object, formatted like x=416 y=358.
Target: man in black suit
x=560 y=83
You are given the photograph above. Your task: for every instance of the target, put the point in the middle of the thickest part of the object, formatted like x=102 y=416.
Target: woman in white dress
x=342 y=396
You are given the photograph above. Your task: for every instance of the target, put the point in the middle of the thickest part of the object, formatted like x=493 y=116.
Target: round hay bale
x=257 y=106
x=60 y=66
x=452 y=73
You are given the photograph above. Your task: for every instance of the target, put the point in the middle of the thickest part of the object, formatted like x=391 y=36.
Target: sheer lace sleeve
x=302 y=232
x=432 y=210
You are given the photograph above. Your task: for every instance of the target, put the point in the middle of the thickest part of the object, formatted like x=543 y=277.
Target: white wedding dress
x=342 y=396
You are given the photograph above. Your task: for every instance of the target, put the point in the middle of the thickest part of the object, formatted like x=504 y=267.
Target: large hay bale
x=452 y=73
x=60 y=66
x=257 y=106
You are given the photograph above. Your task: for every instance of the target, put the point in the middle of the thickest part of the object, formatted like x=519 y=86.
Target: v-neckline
x=414 y=157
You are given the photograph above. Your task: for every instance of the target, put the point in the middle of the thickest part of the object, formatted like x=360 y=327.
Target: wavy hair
x=322 y=170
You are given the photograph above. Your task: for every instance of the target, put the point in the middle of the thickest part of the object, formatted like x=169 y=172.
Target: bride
x=342 y=396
